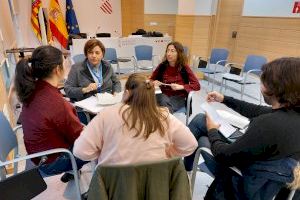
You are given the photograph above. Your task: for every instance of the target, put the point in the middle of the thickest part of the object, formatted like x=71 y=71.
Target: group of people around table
x=142 y=128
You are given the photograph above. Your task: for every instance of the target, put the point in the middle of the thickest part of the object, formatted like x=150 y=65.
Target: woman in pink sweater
x=136 y=130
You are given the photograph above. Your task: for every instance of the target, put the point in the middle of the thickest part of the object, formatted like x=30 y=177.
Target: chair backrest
x=143 y=52
x=165 y=179
x=8 y=139
x=78 y=58
x=254 y=62
x=218 y=54
x=110 y=54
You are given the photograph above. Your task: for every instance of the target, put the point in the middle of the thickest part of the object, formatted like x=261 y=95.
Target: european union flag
x=71 y=20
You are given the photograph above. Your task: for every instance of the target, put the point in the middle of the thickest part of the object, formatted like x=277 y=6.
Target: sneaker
x=67 y=177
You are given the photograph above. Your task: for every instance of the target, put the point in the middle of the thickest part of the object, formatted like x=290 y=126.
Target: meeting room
x=150 y=99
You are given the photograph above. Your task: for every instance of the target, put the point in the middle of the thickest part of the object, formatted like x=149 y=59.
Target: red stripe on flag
x=106 y=10
x=107 y=3
x=108 y=7
x=57 y=34
x=102 y=9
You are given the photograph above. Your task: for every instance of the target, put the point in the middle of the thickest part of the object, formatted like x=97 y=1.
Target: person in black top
x=273 y=132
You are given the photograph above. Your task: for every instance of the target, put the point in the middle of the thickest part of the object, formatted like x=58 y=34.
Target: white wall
x=197 y=7
x=269 y=8
x=160 y=6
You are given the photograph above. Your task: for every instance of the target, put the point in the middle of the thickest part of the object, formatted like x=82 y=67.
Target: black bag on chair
x=22 y=186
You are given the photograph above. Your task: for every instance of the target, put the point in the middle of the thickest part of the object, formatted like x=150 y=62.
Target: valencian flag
x=57 y=23
x=35 y=7
x=71 y=20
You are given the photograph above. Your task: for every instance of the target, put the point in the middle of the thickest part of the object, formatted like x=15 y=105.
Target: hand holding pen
x=214 y=97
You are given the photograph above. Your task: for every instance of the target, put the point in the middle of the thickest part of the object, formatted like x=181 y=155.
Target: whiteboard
x=269 y=8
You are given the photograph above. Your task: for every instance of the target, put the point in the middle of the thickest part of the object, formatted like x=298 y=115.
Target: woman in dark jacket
x=93 y=75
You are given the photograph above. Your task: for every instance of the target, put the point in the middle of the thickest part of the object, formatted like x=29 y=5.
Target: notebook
x=225 y=127
x=22 y=186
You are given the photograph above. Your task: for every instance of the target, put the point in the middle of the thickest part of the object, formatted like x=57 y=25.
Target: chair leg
x=242 y=91
x=213 y=82
x=221 y=87
x=225 y=86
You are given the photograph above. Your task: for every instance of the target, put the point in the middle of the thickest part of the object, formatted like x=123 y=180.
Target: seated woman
x=273 y=132
x=93 y=75
x=48 y=120
x=135 y=130
x=175 y=78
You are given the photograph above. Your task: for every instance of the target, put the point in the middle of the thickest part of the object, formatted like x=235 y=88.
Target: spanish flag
x=57 y=23
x=35 y=7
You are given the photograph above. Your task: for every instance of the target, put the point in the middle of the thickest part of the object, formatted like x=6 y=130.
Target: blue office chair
x=215 y=64
x=9 y=142
x=78 y=58
x=143 y=53
x=252 y=66
x=111 y=56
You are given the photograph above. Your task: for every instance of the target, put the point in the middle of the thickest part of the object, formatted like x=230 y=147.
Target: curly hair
x=281 y=78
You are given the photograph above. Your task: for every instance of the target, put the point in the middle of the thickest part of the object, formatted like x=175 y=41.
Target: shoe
x=67 y=177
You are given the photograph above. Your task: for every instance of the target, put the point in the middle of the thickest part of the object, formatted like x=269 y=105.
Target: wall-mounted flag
x=106 y=7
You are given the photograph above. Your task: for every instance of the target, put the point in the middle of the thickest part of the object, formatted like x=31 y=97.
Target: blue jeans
x=198 y=127
x=60 y=165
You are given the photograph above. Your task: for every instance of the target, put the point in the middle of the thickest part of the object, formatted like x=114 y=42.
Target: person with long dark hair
x=175 y=78
x=136 y=130
x=47 y=119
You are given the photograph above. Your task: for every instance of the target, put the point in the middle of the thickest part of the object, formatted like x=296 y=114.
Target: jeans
x=173 y=103
x=198 y=127
x=60 y=165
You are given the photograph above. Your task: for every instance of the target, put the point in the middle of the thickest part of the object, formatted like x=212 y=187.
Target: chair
x=78 y=58
x=186 y=51
x=215 y=64
x=111 y=56
x=9 y=142
x=143 y=53
x=196 y=167
x=166 y=179
x=188 y=109
x=252 y=65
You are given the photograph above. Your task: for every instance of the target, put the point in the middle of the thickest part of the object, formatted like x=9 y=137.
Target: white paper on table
x=225 y=128
x=90 y=104
x=109 y=99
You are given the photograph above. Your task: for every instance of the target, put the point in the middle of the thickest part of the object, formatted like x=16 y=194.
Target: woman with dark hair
x=93 y=75
x=273 y=132
x=175 y=78
x=135 y=130
x=47 y=119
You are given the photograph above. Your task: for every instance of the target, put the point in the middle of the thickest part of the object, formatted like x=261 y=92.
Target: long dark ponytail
x=41 y=64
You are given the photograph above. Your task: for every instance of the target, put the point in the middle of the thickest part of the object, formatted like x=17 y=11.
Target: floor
x=58 y=190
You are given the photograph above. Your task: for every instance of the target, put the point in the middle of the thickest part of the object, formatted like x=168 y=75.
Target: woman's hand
x=214 y=97
x=89 y=88
x=210 y=124
x=176 y=86
x=157 y=83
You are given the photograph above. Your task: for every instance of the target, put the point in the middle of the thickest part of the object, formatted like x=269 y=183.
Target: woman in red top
x=175 y=78
x=47 y=119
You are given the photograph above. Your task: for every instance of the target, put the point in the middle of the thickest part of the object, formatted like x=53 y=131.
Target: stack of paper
x=109 y=99
x=240 y=122
x=225 y=128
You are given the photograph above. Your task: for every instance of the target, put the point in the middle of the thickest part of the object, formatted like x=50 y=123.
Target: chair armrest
x=221 y=61
x=48 y=152
x=15 y=129
x=188 y=106
x=250 y=71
